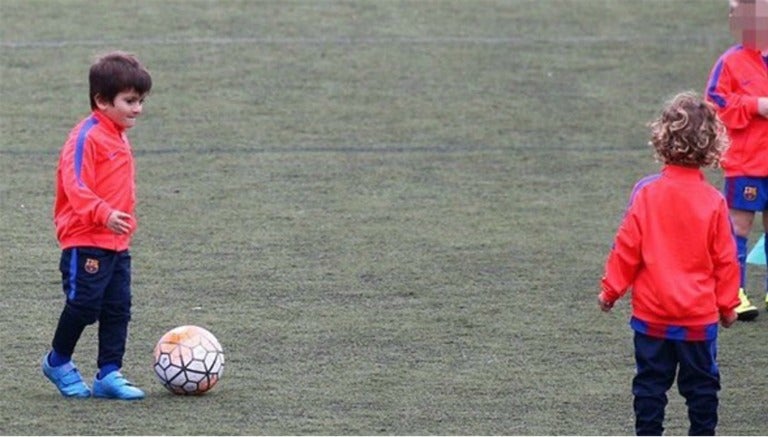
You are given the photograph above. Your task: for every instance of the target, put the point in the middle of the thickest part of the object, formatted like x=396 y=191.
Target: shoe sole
x=118 y=398
x=748 y=315
x=101 y=395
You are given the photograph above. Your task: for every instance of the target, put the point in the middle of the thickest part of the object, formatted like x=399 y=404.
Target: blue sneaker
x=115 y=386
x=67 y=379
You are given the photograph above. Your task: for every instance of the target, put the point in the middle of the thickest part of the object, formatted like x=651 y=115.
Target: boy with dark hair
x=738 y=86
x=94 y=219
x=674 y=249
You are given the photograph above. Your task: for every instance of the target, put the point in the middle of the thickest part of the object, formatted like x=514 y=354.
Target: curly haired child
x=675 y=250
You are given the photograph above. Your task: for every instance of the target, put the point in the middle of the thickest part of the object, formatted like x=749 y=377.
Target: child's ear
x=101 y=102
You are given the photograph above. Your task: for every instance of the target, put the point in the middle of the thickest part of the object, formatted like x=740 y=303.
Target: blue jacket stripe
x=639 y=185
x=80 y=146
x=712 y=85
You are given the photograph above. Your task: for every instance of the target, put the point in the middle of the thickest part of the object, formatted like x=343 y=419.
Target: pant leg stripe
x=72 y=274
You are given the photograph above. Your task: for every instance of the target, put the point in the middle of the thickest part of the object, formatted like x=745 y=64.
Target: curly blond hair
x=688 y=132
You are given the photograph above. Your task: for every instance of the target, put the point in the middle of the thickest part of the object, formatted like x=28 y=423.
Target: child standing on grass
x=94 y=218
x=738 y=86
x=675 y=250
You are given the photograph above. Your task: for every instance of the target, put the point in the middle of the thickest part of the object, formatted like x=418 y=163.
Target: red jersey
x=675 y=249
x=95 y=176
x=738 y=78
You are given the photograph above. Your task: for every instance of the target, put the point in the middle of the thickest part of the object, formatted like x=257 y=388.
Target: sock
x=106 y=370
x=55 y=359
x=741 y=254
x=765 y=247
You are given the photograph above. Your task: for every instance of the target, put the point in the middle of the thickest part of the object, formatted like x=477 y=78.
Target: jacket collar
x=678 y=171
x=106 y=122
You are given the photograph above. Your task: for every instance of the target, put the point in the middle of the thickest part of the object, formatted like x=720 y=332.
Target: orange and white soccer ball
x=188 y=360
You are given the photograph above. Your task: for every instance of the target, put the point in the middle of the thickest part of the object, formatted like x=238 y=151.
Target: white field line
x=708 y=38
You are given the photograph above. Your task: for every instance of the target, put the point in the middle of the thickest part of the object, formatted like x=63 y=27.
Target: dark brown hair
x=116 y=72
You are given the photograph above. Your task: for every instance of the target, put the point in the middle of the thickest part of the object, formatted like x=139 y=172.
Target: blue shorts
x=746 y=193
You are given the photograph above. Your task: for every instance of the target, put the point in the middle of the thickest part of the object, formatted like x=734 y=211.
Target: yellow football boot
x=745 y=310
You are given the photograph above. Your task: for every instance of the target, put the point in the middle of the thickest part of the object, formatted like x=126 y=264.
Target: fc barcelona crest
x=750 y=193
x=91 y=265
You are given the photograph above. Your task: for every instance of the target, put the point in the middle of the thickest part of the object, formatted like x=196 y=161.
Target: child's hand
x=726 y=320
x=762 y=106
x=119 y=222
x=603 y=304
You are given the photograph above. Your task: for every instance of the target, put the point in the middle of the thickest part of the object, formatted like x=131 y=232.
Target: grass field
x=392 y=214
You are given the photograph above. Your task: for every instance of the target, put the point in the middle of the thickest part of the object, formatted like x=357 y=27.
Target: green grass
x=392 y=214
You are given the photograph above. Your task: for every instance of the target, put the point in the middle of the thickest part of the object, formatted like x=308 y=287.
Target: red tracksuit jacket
x=738 y=78
x=675 y=249
x=95 y=176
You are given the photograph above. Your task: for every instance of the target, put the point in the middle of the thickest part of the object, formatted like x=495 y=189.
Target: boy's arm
x=623 y=261
x=726 y=266
x=735 y=110
x=78 y=175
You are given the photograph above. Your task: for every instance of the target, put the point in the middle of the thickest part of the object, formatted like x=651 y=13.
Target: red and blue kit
x=675 y=250
x=95 y=177
x=737 y=80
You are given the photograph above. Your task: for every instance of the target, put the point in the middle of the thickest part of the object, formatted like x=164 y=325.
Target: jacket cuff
x=603 y=296
x=752 y=105
x=102 y=214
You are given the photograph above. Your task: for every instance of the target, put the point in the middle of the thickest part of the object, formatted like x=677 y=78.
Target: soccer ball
x=188 y=360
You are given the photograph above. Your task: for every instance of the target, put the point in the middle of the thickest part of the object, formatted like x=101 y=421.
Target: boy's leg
x=113 y=334
x=68 y=332
x=743 y=195
x=84 y=274
x=84 y=291
x=115 y=314
x=699 y=382
x=656 y=365
x=742 y=249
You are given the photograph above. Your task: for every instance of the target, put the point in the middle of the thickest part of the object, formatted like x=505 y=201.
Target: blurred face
x=124 y=110
x=749 y=23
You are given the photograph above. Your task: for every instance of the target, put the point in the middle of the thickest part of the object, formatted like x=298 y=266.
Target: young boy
x=674 y=248
x=94 y=218
x=738 y=86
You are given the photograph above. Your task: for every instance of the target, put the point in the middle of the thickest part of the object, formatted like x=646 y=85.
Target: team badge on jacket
x=750 y=193
x=91 y=265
